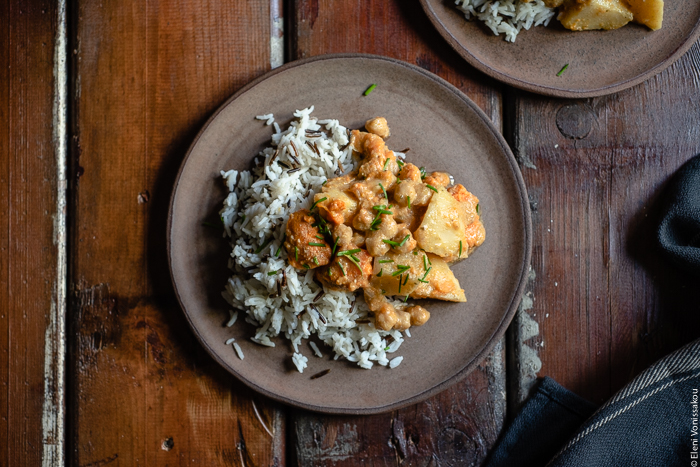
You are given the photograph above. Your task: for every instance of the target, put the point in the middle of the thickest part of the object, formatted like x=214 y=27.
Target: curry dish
x=388 y=228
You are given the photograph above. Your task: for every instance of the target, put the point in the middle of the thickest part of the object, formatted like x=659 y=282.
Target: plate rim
x=551 y=91
x=492 y=340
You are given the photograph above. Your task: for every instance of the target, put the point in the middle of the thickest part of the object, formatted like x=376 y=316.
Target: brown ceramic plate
x=445 y=131
x=600 y=62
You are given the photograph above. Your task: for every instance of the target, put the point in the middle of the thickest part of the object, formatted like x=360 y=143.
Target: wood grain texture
x=458 y=426
x=146 y=76
x=607 y=305
x=27 y=206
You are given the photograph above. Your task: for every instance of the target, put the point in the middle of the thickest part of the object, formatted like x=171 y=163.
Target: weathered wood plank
x=28 y=252
x=607 y=306
x=458 y=426
x=147 y=76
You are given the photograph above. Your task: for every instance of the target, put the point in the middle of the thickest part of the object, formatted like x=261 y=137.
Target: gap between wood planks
x=53 y=409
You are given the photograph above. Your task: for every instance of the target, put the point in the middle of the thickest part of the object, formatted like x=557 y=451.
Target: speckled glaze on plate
x=445 y=131
x=600 y=62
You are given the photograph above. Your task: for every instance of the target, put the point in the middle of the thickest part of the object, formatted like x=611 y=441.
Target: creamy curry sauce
x=388 y=228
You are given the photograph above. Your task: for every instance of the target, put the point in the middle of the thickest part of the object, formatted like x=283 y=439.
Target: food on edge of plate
x=509 y=17
x=325 y=212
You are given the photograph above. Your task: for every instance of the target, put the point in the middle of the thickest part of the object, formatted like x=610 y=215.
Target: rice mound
x=507 y=17
x=275 y=297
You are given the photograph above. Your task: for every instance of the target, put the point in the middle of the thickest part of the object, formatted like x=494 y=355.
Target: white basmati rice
x=276 y=297
x=395 y=362
x=232 y=319
x=507 y=17
x=315 y=348
x=238 y=350
x=300 y=361
x=230 y=341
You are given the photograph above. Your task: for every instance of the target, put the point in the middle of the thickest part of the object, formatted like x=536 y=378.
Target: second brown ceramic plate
x=600 y=62
x=445 y=131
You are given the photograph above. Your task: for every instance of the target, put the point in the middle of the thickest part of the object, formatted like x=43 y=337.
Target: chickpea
x=409 y=245
x=386 y=317
x=386 y=231
x=403 y=322
x=379 y=127
x=438 y=179
x=419 y=315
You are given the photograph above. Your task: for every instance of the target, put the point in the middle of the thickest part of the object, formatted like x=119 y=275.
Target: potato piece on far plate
x=594 y=14
x=650 y=13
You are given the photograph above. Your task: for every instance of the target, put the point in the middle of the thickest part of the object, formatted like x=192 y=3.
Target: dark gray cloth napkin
x=679 y=232
x=654 y=420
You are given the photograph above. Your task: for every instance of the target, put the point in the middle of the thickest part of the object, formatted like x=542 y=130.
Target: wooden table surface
x=98 y=105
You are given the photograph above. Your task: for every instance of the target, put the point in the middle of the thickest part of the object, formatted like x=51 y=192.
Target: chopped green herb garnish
x=406 y=280
x=405 y=239
x=379 y=274
x=319 y=237
x=370 y=89
x=349 y=252
x=382 y=187
x=390 y=242
x=386 y=162
x=400 y=269
x=382 y=261
x=272 y=273
x=296 y=253
x=381 y=210
x=355 y=258
x=400 y=163
x=415 y=253
x=423 y=173
x=335 y=245
x=477 y=208
x=317 y=244
x=324 y=182
x=307 y=266
x=431 y=187
x=262 y=247
x=279 y=250
x=341 y=267
x=315 y=260
x=400 y=280
x=386 y=348
x=376 y=222
x=425 y=262
x=383 y=291
x=426 y=273
x=425 y=282
x=315 y=203
x=408 y=198
x=561 y=72
x=405 y=299
x=355 y=261
x=460 y=248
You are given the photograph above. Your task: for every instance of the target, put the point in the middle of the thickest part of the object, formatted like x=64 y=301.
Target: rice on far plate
x=278 y=299
x=507 y=17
